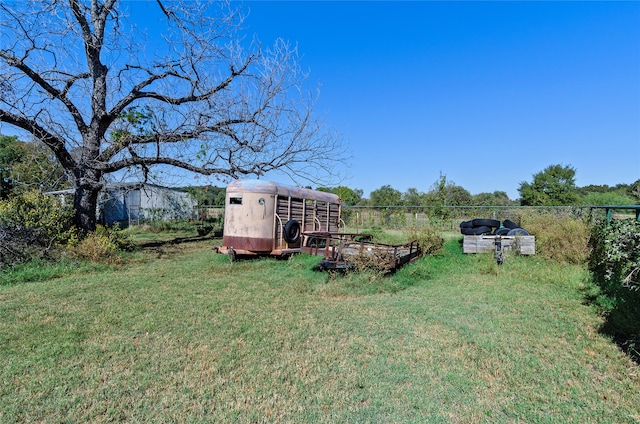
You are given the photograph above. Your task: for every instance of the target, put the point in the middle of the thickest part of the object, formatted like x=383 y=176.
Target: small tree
x=497 y=198
x=554 y=186
x=386 y=196
x=445 y=193
x=413 y=197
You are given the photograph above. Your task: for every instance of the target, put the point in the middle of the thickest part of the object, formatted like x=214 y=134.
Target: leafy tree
x=38 y=169
x=497 y=198
x=413 y=197
x=593 y=188
x=44 y=214
x=386 y=196
x=610 y=198
x=602 y=195
x=447 y=193
x=349 y=197
x=208 y=195
x=554 y=186
x=82 y=78
x=457 y=195
x=632 y=190
x=27 y=166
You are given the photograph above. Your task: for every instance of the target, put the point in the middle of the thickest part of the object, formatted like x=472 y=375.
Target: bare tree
x=105 y=97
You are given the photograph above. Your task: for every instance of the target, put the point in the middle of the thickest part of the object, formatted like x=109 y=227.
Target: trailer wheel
x=292 y=231
x=518 y=232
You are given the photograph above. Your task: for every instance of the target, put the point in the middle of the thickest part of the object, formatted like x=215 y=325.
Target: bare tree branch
x=200 y=97
x=56 y=144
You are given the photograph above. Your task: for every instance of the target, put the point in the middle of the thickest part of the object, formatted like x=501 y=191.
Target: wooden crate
x=526 y=245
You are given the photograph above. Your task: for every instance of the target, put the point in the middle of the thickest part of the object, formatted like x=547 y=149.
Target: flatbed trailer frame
x=349 y=251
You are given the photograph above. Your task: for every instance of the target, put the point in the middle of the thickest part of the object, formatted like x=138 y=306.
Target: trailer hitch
x=498 y=254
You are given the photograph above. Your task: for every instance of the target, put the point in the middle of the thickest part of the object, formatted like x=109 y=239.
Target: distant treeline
x=446 y=193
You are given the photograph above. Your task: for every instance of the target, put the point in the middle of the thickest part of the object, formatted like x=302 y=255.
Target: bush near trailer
x=103 y=245
x=429 y=239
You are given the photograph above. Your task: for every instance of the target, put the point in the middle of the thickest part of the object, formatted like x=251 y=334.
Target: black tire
x=476 y=231
x=467 y=231
x=518 y=232
x=479 y=222
x=291 y=231
x=466 y=224
x=507 y=223
x=501 y=231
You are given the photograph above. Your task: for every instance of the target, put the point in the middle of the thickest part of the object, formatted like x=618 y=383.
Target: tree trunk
x=85 y=203
x=87 y=188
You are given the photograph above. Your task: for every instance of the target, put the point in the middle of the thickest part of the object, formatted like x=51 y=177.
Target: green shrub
x=615 y=265
x=429 y=239
x=103 y=245
x=35 y=210
x=32 y=226
x=616 y=254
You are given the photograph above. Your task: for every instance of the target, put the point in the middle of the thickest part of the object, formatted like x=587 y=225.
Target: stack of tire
x=482 y=226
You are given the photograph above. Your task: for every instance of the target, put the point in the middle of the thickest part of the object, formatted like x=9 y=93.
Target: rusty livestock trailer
x=267 y=218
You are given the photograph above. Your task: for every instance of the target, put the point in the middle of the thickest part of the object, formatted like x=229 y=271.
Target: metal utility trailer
x=347 y=251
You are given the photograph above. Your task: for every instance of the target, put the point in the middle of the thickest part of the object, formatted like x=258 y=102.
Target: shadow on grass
x=623 y=323
x=621 y=310
x=177 y=240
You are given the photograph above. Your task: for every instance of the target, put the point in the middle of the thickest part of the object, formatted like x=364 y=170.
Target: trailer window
x=235 y=200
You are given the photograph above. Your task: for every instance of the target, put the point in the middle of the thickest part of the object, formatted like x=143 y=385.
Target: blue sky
x=486 y=93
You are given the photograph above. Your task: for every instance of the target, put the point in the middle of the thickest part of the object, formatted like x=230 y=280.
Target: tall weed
x=429 y=239
x=560 y=237
x=103 y=245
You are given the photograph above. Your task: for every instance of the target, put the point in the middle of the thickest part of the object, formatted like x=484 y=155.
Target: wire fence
x=448 y=218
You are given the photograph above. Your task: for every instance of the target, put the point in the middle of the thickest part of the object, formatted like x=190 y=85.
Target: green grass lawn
x=179 y=334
